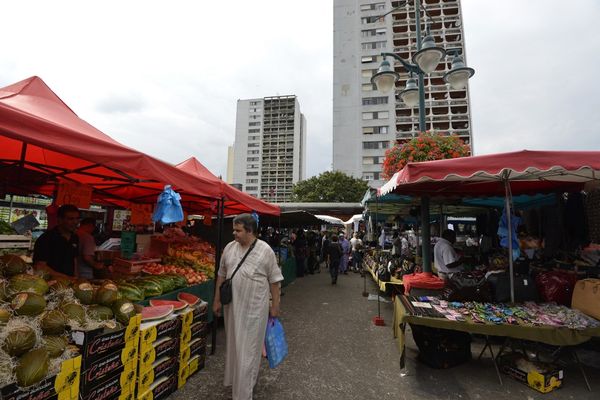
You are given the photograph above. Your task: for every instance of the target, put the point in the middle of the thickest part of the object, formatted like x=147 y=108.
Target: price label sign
x=141 y=214
x=73 y=193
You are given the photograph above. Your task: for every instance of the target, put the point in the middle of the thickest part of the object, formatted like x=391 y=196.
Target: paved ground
x=335 y=352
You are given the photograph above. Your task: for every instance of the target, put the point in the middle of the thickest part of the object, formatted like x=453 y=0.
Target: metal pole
x=425 y=234
x=510 y=246
x=219 y=250
x=422 y=127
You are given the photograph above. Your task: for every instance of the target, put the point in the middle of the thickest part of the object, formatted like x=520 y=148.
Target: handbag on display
x=226 y=288
x=468 y=286
x=525 y=287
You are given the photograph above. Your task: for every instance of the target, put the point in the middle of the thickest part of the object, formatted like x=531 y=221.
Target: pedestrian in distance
x=258 y=278
x=334 y=256
x=345 y=254
x=356 y=244
x=300 y=252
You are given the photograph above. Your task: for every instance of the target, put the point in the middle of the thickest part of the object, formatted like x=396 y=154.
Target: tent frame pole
x=219 y=250
x=508 y=210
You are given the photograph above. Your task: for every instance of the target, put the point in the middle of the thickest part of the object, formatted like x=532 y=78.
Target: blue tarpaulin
x=168 y=209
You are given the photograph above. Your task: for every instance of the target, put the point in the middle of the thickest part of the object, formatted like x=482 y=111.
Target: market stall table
x=203 y=291
x=561 y=337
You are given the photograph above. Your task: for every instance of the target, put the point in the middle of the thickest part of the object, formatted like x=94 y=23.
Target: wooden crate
x=15 y=242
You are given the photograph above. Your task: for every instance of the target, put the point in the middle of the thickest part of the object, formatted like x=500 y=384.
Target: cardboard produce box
x=166 y=366
x=191 y=315
x=62 y=386
x=111 y=389
x=160 y=389
x=99 y=343
x=122 y=365
x=186 y=370
x=154 y=330
x=196 y=347
x=542 y=377
x=151 y=352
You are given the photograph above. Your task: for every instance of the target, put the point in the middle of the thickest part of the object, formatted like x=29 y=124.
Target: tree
x=330 y=187
x=428 y=146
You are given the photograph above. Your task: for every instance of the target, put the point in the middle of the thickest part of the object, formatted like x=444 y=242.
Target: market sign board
x=74 y=193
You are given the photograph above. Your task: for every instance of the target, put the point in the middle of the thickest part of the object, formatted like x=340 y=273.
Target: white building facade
x=269 y=153
x=365 y=122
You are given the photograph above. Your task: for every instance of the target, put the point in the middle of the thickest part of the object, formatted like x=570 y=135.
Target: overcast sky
x=163 y=77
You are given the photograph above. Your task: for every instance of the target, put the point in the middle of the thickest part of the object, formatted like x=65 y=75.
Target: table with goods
x=68 y=340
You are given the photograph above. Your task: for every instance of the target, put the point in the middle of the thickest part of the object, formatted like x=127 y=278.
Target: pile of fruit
x=138 y=289
x=193 y=277
x=192 y=253
x=37 y=313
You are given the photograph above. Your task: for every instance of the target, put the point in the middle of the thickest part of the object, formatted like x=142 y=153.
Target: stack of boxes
x=171 y=350
x=192 y=347
x=109 y=361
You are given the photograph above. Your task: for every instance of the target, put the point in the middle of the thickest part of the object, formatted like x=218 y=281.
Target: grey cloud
x=121 y=104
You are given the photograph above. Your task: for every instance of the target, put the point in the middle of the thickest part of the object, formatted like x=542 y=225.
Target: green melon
x=74 y=312
x=53 y=322
x=27 y=283
x=123 y=310
x=12 y=264
x=60 y=284
x=32 y=367
x=3 y=290
x=100 y=313
x=84 y=291
x=107 y=294
x=150 y=288
x=19 y=341
x=4 y=316
x=30 y=304
x=45 y=275
x=55 y=345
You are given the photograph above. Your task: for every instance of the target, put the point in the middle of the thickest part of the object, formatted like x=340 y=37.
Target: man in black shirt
x=56 y=250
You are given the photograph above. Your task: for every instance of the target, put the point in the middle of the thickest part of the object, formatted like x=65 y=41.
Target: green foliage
x=330 y=187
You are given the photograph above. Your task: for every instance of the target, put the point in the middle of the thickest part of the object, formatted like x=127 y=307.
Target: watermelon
x=159 y=312
x=30 y=304
x=178 y=280
x=19 y=341
x=188 y=298
x=32 y=367
x=12 y=264
x=84 y=291
x=100 y=313
x=131 y=292
x=123 y=310
x=27 y=283
x=107 y=294
x=177 y=305
x=151 y=289
x=53 y=322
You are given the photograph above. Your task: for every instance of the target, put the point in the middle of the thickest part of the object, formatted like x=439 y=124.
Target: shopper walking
x=300 y=252
x=333 y=254
x=345 y=254
x=356 y=245
x=246 y=316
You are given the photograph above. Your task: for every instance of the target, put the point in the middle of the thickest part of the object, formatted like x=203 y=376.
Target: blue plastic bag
x=168 y=209
x=275 y=343
x=503 y=233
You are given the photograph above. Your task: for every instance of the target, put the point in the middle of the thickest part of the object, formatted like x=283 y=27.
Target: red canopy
x=42 y=141
x=527 y=171
x=236 y=200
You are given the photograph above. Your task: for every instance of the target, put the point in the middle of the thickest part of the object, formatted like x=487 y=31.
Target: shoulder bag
x=226 y=288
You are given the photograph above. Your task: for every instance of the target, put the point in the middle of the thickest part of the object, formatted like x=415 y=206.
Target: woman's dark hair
x=247 y=221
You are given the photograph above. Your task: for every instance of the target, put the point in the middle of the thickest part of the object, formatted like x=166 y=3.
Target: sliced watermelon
x=177 y=305
x=159 y=312
x=188 y=298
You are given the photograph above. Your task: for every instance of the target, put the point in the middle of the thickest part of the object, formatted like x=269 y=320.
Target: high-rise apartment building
x=366 y=122
x=270 y=147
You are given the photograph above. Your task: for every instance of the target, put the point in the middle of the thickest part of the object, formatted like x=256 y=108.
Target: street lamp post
x=425 y=61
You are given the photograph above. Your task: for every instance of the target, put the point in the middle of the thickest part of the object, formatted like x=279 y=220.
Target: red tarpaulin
x=527 y=171
x=236 y=201
x=42 y=141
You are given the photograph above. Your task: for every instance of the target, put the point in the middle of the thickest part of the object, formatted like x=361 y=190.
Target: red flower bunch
x=427 y=146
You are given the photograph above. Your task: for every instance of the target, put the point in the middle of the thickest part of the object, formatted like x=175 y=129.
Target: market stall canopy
x=290 y=219
x=236 y=201
x=355 y=218
x=330 y=220
x=42 y=141
x=529 y=172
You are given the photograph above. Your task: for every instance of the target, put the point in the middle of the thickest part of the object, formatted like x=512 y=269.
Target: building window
x=368 y=87
x=253 y=144
x=374 y=45
x=375 y=130
x=254 y=173
x=373 y=32
x=254 y=124
x=368 y=59
x=252 y=159
x=253 y=130
x=251 y=180
x=252 y=166
x=375 y=115
x=367 y=73
x=376 y=160
x=252 y=188
x=371 y=20
x=253 y=151
x=369 y=101
x=254 y=103
x=368 y=176
x=376 y=145
x=372 y=6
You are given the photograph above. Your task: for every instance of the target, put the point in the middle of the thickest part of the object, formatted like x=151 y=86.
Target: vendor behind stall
x=446 y=260
x=57 y=249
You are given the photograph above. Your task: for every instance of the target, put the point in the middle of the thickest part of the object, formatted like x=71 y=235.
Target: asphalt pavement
x=335 y=352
